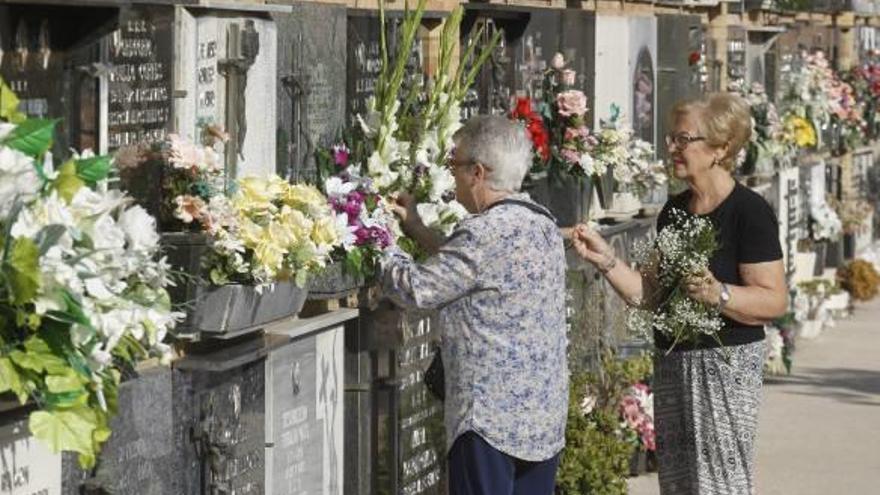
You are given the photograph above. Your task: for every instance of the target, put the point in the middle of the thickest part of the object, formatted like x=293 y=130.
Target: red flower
x=694 y=57
x=535 y=129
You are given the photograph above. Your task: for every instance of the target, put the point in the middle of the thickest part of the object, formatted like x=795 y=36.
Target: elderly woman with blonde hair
x=707 y=401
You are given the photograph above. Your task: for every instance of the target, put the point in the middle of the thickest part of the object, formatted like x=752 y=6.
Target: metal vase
x=569 y=198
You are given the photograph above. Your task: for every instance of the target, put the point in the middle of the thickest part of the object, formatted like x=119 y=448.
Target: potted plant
x=860 y=278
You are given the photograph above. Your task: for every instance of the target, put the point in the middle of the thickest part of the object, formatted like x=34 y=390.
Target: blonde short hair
x=723 y=119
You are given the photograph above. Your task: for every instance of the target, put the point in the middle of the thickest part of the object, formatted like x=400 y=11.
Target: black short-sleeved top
x=748 y=232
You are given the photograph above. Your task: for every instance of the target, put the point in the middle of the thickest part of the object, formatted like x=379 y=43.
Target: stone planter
x=334 y=281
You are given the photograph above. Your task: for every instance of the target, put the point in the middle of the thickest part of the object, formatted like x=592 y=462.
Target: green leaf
x=33 y=137
x=25 y=270
x=59 y=384
x=69 y=429
x=10 y=380
x=68 y=182
x=9 y=104
x=92 y=170
x=48 y=236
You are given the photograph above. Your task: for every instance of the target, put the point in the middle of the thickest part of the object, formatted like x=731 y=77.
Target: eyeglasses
x=682 y=140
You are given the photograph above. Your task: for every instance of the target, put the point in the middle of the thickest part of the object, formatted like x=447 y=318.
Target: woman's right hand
x=591 y=246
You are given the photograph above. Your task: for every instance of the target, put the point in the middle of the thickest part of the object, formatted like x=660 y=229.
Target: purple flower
x=340 y=155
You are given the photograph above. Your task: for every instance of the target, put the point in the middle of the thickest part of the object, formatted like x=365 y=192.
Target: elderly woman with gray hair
x=499 y=283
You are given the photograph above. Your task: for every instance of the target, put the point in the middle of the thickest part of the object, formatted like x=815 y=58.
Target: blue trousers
x=477 y=468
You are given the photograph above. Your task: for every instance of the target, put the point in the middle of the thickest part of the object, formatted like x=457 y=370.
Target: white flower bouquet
x=82 y=289
x=407 y=139
x=681 y=249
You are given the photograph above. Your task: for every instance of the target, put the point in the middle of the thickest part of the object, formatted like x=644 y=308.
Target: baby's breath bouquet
x=683 y=248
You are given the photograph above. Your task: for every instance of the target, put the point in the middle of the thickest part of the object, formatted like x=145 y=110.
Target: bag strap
x=525 y=204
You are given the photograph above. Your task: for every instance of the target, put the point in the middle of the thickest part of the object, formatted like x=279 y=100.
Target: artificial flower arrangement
x=270 y=230
x=564 y=111
x=769 y=141
x=637 y=410
x=865 y=81
x=815 y=92
x=854 y=215
x=630 y=159
x=536 y=131
x=367 y=225
x=780 y=345
x=681 y=249
x=825 y=224
x=189 y=175
x=82 y=288
x=403 y=142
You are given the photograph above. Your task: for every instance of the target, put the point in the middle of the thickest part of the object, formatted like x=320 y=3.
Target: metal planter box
x=227 y=309
x=239 y=308
x=333 y=282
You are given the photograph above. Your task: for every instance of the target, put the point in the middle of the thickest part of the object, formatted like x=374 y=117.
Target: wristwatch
x=724 y=297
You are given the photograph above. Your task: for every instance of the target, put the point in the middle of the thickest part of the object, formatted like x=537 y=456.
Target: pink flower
x=340 y=155
x=190 y=208
x=558 y=61
x=568 y=77
x=570 y=156
x=571 y=103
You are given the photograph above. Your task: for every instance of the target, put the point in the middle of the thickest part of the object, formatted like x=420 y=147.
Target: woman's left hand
x=704 y=287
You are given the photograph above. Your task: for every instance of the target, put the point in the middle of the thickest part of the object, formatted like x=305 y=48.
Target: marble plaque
x=220 y=426
x=141 y=456
x=27 y=466
x=530 y=39
x=311 y=83
x=364 y=59
x=139 y=82
x=304 y=416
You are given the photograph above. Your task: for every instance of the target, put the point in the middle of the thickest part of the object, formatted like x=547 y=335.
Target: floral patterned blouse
x=499 y=285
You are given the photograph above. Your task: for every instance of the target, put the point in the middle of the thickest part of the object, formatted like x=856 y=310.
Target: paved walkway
x=820 y=427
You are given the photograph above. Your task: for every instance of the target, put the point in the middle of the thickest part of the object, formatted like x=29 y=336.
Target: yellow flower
x=295 y=223
x=269 y=254
x=307 y=199
x=324 y=232
x=258 y=192
x=801 y=131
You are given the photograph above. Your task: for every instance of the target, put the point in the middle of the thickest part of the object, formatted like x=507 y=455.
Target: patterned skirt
x=706 y=418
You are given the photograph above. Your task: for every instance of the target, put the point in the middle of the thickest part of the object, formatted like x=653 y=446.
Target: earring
x=715 y=162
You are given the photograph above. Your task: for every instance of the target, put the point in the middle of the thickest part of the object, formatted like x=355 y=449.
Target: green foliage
x=597 y=448
x=33 y=137
x=597 y=451
x=39 y=360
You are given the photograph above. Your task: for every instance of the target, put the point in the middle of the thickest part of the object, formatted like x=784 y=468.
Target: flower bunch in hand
x=680 y=252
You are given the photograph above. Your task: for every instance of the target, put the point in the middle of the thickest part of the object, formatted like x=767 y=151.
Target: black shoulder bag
x=434 y=378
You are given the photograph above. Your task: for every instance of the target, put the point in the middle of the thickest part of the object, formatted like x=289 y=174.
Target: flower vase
x=849 y=246
x=834 y=253
x=638 y=462
x=606 y=185
x=821 y=255
x=535 y=184
x=569 y=198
